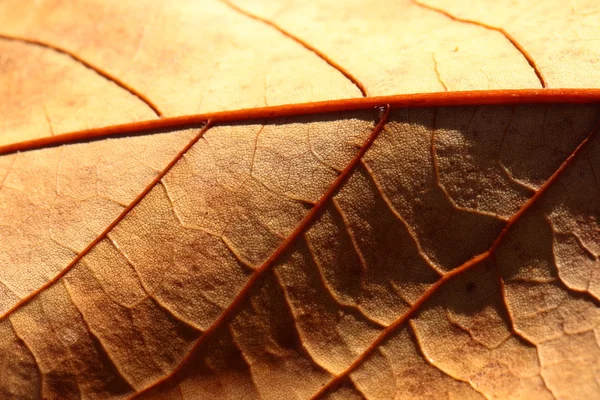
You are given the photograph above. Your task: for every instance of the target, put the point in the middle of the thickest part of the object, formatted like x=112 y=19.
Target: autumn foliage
x=339 y=200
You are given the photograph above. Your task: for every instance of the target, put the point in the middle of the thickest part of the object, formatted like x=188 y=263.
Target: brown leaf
x=442 y=244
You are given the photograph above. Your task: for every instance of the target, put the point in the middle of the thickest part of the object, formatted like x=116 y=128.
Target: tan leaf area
x=440 y=247
x=270 y=258
x=53 y=205
x=203 y=57
x=181 y=57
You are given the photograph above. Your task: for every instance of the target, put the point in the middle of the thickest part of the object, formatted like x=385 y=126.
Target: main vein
x=440 y=99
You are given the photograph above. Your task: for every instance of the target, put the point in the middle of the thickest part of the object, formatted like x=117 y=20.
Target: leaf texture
x=405 y=251
x=390 y=48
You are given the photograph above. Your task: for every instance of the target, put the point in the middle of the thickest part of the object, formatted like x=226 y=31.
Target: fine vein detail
x=437 y=72
x=104 y=233
x=89 y=65
x=440 y=99
x=416 y=307
x=267 y=265
x=301 y=42
x=507 y=35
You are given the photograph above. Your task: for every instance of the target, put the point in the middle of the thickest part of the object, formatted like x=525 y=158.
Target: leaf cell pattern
x=401 y=252
x=388 y=232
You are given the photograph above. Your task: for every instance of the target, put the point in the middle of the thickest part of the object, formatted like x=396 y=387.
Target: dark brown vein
x=104 y=233
x=416 y=307
x=301 y=42
x=89 y=65
x=267 y=265
x=507 y=35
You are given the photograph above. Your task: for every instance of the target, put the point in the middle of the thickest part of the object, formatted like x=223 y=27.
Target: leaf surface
x=441 y=245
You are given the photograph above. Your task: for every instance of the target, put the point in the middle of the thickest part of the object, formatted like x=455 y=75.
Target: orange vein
x=507 y=35
x=89 y=65
x=104 y=233
x=283 y=247
x=301 y=42
x=474 y=97
x=437 y=72
x=385 y=334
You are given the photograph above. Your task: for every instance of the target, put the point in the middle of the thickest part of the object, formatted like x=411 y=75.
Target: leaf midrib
x=414 y=100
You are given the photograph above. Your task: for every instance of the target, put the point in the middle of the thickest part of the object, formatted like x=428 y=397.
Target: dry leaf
x=446 y=245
